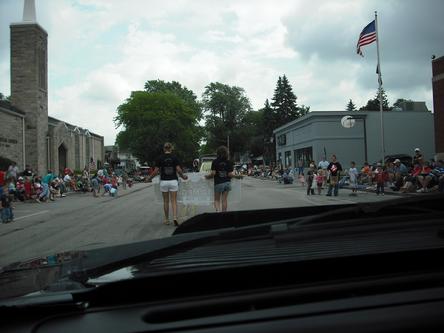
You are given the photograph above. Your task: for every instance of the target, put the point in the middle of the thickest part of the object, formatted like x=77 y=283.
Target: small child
x=95 y=185
x=38 y=189
x=302 y=179
x=380 y=176
x=310 y=179
x=320 y=179
x=353 y=176
x=7 y=214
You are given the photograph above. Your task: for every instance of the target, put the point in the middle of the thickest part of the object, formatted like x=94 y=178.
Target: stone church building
x=27 y=135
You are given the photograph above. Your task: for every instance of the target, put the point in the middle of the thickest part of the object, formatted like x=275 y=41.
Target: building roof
x=410 y=107
x=312 y=114
x=73 y=128
x=6 y=105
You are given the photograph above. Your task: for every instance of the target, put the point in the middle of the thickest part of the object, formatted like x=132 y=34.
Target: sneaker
x=38 y=200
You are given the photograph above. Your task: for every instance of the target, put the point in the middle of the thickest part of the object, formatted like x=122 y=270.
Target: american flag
x=367 y=36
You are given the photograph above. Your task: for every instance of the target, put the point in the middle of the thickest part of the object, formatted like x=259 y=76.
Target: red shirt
x=425 y=170
x=381 y=177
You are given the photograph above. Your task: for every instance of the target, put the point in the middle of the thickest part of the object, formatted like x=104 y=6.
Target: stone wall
x=11 y=137
x=29 y=88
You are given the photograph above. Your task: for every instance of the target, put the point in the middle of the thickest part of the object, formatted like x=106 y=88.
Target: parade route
x=80 y=221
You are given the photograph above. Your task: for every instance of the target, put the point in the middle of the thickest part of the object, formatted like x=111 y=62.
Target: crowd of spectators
x=420 y=175
x=29 y=186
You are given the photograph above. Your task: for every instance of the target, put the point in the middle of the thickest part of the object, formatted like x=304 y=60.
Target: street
x=80 y=221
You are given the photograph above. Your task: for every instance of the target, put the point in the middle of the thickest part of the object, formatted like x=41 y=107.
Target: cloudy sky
x=101 y=50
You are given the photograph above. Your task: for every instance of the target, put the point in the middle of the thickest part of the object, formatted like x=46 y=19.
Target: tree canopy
x=149 y=119
x=373 y=104
x=226 y=108
x=174 y=87
x=284 y=103
x=351 y=106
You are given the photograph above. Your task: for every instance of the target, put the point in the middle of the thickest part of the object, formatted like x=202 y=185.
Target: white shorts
x=169 y=185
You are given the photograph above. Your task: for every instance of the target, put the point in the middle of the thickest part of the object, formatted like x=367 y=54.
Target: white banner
x=197 y=190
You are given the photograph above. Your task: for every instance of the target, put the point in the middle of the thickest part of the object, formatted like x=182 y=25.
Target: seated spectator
x=28 y=188
x=424 y=176
x=20 y=189
x=438 y=171
x=53 y=190
x=38 y=188
x=365 y=177
x=70 y=183
x=107 y=189
x=61 y=186
x=400 y=172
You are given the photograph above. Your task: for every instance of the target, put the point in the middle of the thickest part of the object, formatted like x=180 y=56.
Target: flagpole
x=380 y=91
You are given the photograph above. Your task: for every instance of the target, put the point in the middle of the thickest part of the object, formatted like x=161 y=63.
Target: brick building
x=438 y=104
x=27 y=134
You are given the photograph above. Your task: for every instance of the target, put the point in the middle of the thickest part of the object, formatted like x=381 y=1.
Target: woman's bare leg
x=166 y=207
x=217 y=201
x=173 y=197
x=224 y=201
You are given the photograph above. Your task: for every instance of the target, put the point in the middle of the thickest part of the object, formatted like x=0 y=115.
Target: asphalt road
x=80 y=221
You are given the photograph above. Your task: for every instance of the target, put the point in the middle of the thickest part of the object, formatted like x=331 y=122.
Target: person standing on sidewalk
x=353 y=177
x=6 y=207
x=324 y=165
x=380 y=176
x=168 y=165
x=334 y=169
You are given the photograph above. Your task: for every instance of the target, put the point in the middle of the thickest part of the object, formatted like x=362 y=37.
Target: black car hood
x=57 y=272
x=73 y=270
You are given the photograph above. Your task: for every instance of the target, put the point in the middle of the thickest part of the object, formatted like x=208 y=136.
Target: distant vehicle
x=205 y=162
x=145 y=170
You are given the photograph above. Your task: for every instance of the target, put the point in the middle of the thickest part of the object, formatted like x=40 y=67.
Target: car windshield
x=122 y=120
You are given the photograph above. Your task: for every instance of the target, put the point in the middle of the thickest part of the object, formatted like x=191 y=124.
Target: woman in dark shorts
x=222 y=172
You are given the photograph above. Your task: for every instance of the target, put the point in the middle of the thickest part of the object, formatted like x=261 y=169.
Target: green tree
x=270 y=123
x=399 y=103
x=303 y=110
x=225 y=108
x=253 y=130
x=351 y=106
x=4 y=98
x=174 y=87
x=373 y=104
x=284 y=102
x=150 y=119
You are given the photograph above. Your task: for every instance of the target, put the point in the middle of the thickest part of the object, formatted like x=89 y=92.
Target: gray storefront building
x=321 y=133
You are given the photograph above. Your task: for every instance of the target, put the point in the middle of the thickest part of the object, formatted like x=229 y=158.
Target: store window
x=287 y=158
x=304 y=154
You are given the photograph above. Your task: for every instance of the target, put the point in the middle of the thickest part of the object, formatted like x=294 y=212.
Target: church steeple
x=29 y=11
x=29 y=83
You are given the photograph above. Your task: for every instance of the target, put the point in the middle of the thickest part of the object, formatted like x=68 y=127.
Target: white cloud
x=101 y=50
